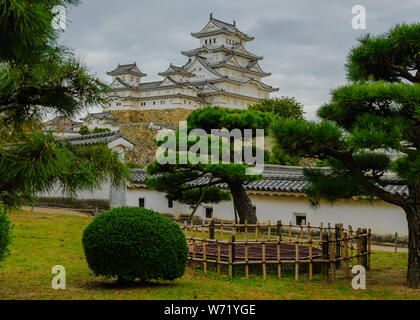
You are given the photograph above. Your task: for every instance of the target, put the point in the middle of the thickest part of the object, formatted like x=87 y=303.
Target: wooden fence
x=277 y=245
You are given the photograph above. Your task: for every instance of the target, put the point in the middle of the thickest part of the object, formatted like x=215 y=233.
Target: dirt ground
x=56 y=210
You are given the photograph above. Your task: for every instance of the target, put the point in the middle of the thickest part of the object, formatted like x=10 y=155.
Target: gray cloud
x=304 y=42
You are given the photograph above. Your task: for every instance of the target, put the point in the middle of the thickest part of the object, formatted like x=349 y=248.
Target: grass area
x=42 y=241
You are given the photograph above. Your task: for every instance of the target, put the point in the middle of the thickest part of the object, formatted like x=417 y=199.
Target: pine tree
x=39 y=77
x=195 y=183
x=364 y=126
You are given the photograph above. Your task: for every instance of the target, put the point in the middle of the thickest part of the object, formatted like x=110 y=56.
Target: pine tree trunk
x=413 y=273
x=243 y=203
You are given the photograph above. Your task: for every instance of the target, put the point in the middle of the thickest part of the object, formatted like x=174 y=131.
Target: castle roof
x=283 y=179
x=215 y=26
x=127 y=69
x=99 y=116
x=97 y=138
x=248 y=68
x=237 y=49
x=174 y=70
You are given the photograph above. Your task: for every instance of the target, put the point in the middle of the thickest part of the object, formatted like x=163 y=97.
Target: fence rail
x=266 y=244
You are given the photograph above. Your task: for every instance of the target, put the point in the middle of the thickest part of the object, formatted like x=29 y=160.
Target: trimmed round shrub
x=5 y=233
x=135 y=243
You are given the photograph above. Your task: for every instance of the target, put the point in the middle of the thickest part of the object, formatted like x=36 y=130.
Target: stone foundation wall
x=144 y=137
x=145 y=149
x=169 y=117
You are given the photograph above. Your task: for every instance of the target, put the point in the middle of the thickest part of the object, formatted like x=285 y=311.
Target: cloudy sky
x=304 y=42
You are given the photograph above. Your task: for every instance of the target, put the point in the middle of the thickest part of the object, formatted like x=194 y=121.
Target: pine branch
x=348 y=161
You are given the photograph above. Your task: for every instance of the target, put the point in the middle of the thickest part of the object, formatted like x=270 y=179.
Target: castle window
x=209 y=213
x=141 y=202
x=154 y=103
x=300 y=218
x=170 y=204
x=214 y=40
x=206 y=41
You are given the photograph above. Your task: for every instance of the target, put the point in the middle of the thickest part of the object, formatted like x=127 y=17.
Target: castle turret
x=128 y=73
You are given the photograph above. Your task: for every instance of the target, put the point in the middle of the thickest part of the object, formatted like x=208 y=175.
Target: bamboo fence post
x=246 y=250
x=231 y=240
x=297 y=259
x=351 y=244
x=278 y=256
x=359 y=247
x=396 y=242
x=246 y=230
x=321 y=231
x=364 y=240
x=310 y=256
x=290 y=231
x=192 y=229
x=325 y=256
x=301 y=232
x=221 y=231
x=204 y=257
x=338 y=244
x=211 y=230
x=218 y=257
x=203 y=230
x=310 y=251
x=333 y=256
x=346 y=254
x=369 y=246
x=264 y=266
x=279 y=229
x=269 y=230
x=194 y=249
x=256 y=232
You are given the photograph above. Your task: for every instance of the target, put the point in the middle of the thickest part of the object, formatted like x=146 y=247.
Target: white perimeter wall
x=381 y=217
x=102 y=193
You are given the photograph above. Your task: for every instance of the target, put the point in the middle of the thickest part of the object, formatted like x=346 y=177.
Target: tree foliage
x=5 y=233
x=39 y=162
x=284 y=107
x=369 y=129
x=392 y=56
x=38 y=77
x=135 y=243
x=193 y=183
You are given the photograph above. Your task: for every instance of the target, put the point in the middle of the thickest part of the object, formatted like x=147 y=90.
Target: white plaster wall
x=382 y=218
x=102 y=193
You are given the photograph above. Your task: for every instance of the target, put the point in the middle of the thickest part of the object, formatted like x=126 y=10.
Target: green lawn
x=42 y=241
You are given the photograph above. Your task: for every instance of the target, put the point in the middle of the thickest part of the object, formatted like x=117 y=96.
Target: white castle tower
x=219 y=72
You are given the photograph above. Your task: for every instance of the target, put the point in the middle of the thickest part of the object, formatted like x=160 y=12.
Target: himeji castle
x=221 y=71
